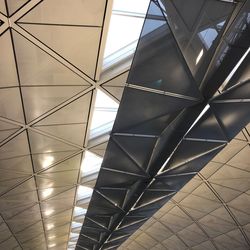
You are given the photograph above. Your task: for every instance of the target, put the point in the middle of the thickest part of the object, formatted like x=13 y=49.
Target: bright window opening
x=122 y=39
x=104 y=115
x=79 y=211
x=90 y=164
x=84 y=192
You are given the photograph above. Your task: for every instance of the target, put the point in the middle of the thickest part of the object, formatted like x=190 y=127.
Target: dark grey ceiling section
x=169 y=124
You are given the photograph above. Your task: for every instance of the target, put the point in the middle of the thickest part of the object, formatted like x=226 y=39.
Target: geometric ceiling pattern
x=210 y=212
x=186 y=97
x=51 y=55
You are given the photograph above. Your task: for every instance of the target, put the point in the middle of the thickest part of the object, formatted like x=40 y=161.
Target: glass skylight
x=104 y=115
x=122 y=39
x=79 y=211
x=84 y=192
x=121 y=43
x=90 y=164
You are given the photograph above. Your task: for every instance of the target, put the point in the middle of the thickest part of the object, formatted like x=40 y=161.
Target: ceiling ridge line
x=58 y=162
x=9 y=228
x=162 y=92
x=109 y=200
x=37 y=193
x=60 y=106
x=34 y=129
x=190 y=160
x=45 y=48
x=154 y=201
x=122 y=172
x=169 y=229
x=60 y=24
x=12 y=136
x=36 y=203
x=7 y=120
x=129 y=156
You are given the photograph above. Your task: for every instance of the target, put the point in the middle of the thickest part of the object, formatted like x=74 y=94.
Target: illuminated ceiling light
x=199 y=57
x=50 y=226
x=91 y=163
x=51 y=245
x=49 y=212
x=48 y=160
x=84 y=192
x=51 y=237
x=47 y=192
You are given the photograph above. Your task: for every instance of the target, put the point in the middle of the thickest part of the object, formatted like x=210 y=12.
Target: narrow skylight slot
x=79 y=211
x=122 y=39
x=75 y=224
x=104 y=115
x=91 y=163
x=84 y=192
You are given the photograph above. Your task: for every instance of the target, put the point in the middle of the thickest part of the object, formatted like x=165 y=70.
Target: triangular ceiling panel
x=126 y=164
x=64 y=12
x=75 y=112
x=14 y=111
x=24 y=194
x=39 y=100
x=153 y=126
x=4 y=134
x=14 y=5
x=72 y=163
x=46 y=160
x=36 y=67
x=7 y=129
x=117 y=196
x=207 y=128
x=7 y=62
x=8 y=126
x=99 y=149
x=154 y=105
x=115 y=86
x=74 y=133
x=138 y=148
x=115 y=91
x=44 y=144
x=78 y=45
x=189 y=150
x=50 y=193
x=21 y=164
x=18 y=146
x=233 y=116
x=3 y=7
x=62 y=174
x=10 y=179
